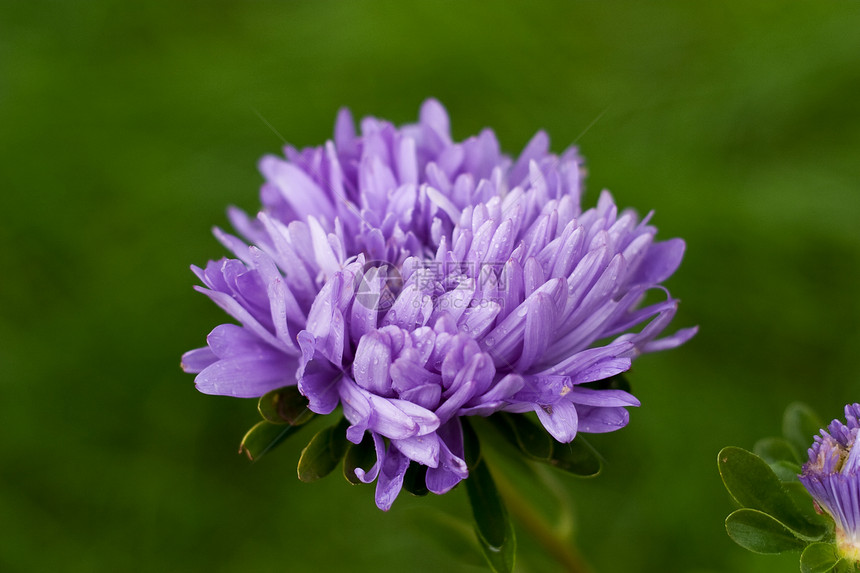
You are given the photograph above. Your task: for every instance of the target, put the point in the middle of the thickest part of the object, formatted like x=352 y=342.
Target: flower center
x=848 y=544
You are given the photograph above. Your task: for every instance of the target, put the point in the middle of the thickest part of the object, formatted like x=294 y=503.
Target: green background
x=125 y=131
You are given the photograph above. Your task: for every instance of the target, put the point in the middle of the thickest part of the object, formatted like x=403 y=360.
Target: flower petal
x=559 y=419
x=247 y=377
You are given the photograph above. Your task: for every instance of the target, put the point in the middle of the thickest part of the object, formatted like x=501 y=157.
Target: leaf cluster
x=776 y=514
x=284 y=413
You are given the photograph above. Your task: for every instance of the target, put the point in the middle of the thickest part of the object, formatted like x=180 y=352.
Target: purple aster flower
x=832 y=476
x=413 y=280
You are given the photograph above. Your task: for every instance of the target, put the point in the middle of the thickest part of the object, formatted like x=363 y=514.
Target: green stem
x=563 y=552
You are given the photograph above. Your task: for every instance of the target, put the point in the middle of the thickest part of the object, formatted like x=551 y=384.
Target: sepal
x=263 y=437
x=324 y=452
x=577 y=457
x=285 y=406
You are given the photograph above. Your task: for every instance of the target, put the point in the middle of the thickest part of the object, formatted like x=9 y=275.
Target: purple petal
x=407 y=373
x=504 y=388
x=427 y=395
x=539 y=328
x=462 y=395
x=372 y=361
x=369 y=475
x=536 y=148
x=344 y=132
x=595 y=420
x=232 y=307
x=407 y=162
x=390 y=478
x=196 y=360
x=248 y=377
x=423 y=449
x=434 y=116
x=662 y=260
x=395 y=419
x=452 y=466
x=614 y=356
x=319 y=384
x=605 y=398
x=300 y=191
x=559 y=419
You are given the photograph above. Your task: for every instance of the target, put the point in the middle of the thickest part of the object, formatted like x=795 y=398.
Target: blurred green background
x=126 y=130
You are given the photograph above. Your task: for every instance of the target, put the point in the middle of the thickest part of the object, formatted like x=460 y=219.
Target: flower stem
x=564 y=552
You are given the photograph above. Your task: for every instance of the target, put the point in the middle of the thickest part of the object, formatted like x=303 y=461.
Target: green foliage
x=415 y=480
x=264 y=436
x=492 y=523
x=760 y=532
x=324 y=452
x=127 y=127
x=285 y=406
x=819 y=558
x=361 y=455
x=577 y=457
x=799 y=425
x=753 y=484
x=284 y=411
x=776 y=512
x=774 y=450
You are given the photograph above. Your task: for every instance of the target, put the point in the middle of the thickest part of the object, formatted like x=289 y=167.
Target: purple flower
x=832 y=476
x=413 y=280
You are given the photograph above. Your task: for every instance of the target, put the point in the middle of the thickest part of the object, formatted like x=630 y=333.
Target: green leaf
x=263 y=437
x=415 y=480
x=774 y=450
x=471 y=445
x=577 y=458
x=362 y=455
x=324 y=452
x=453 y=537
x=803 y=500
x=785 y=471
x=846 y=566
x=761 y=533
x=799 y=425
x=285 y=406
x=493 y=526
x=531 y=439
x=819 y=558
x=492 y=523
x=752 y=483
